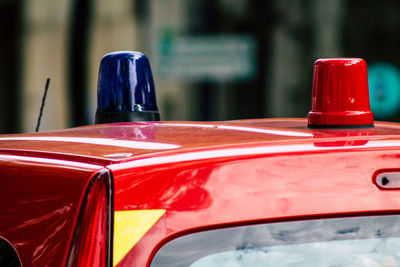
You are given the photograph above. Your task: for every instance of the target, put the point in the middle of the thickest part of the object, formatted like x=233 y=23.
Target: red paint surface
x=328 y=173
x=152 y=138
x=340 y=93
x=204 y=175
x=212 y=192
x=39 y=203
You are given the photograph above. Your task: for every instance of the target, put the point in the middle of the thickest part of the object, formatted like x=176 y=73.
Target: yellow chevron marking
x=129 y=227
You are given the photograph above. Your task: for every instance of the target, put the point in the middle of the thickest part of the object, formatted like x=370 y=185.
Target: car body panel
x=211 y=193
x=40 y=200
x=203 y=174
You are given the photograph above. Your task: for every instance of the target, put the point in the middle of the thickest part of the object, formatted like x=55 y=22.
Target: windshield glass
x=352 y=241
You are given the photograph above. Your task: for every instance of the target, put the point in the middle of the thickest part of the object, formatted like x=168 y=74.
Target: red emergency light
x=340 y=96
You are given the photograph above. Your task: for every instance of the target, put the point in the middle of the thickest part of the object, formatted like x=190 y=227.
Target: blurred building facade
x=211 y=59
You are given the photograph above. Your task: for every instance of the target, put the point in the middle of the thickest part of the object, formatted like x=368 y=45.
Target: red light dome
x=340 y=96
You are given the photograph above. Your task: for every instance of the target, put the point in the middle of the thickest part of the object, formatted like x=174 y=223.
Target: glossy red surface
x=214 y=192
x=340 y=93
x=120 y=142
x=204 y=174
x=101 y=144
x=328 y=173
x=39 y=200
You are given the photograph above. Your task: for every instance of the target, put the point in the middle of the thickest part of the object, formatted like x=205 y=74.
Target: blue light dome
x=125 y=89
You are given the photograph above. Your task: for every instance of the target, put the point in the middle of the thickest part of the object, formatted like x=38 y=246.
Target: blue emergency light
x=125 y=90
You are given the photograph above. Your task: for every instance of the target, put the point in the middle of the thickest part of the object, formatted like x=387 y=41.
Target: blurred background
x=211 y=59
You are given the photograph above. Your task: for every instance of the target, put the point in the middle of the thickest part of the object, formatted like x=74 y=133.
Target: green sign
x=207 y=57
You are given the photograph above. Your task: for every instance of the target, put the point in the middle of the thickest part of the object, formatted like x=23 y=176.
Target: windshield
x=352 y=241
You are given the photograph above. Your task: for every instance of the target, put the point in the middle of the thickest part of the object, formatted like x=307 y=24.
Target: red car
x=322 y=191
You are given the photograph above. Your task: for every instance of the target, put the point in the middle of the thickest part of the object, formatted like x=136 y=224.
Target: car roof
x=120 y=142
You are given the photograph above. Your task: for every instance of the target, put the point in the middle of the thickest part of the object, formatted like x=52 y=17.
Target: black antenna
x=42 y=106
